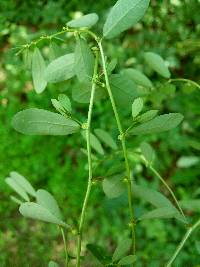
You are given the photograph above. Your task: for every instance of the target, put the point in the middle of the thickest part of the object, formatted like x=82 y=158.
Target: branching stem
x=123 y=142
x=87 y=195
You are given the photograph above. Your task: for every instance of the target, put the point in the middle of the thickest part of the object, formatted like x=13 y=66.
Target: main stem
x=123 y=142
x=82 y=218
x=65 y=247
x=182 y=243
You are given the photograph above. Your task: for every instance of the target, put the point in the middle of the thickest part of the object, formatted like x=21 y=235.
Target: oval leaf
x=84 y=60
x=138 y=77
x=190 y=204
x=122 y=249
x=106 y=138
x=46 y=200
x=35 y=121
x=65 y=102
x=137 y=107
x=17 y=188
x=38 y=71
x=124 y=90
x=37 y=212
x=95 y=144
x=113 y=187
x=123 y=15
x=164 y=213
x=23 y=182
x=85 y=21
x=147 y=152
x=159 y=124
x=157 y=63
x=128 y=260
x=147 y=116
x=99 y=253
x=60 y=69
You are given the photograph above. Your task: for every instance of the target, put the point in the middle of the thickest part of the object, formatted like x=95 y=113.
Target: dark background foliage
x=171 y=28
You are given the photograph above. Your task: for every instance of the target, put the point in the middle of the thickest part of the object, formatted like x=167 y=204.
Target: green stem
x=184 y=80
x=182 y=243
x=123 y=142
x=168 y=188
x=83 y=212
x=65 y=247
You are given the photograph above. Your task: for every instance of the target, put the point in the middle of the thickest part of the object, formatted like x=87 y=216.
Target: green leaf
x=122 y=249
x=65 y=102
x=157 y=63
x=152 y=196
x=164 y=213
x=114 y=186
x=95 y=144
x=35 y=121
x=99 y=253
x=53 y=264
x=38 y=71
x=128 y=260
x=159 y=124
x=190 y=204
x=81 y=92
x=111 y=66
x=123 y=15
x=84 y=60
x=57 y=105
x=60 y=69
x=16 y=200
x=106 y=138
x=23 y=182
x=124 y=90
x=84 y=22
x=27 y=58
x=147 y=116
x=37 y=212
x=187 y=161
x=137 y=107
x=148 y=152
x=138 y=77
x=17 y=188
x=46 y=200
x=54 y=51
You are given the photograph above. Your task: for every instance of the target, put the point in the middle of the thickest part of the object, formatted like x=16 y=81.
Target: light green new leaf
x=128 y=260
x=81 y=92
x=57 y=105
x=106 y=138
x=23 y=182
x=124 y=90
x=54 y=51
x=38 y=71
x=46 y=200
x=65 y=102
x=138 y=77
x=164 y=212
x=123 y=15
x=147 y=116
x=137 y=107
x=159 y=124
x=16 y=200
x=35 y=121
x=17 y=188
x=113 y=187
x=187 y=161
x=157 y=63
x=95 y=144
x=27 y=58
x=148 y=152
x=84 y=22
x=37 y=212
x=84 y=60
x=122 y=249
x=53 y=264
x=60 y=69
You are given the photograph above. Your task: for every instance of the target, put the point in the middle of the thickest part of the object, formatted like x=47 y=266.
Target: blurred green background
x=170 y=28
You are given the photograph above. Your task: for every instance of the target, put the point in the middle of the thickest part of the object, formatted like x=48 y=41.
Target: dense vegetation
x=170 y=28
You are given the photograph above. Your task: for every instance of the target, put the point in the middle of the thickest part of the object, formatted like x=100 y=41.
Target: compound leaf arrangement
x=89 y=66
